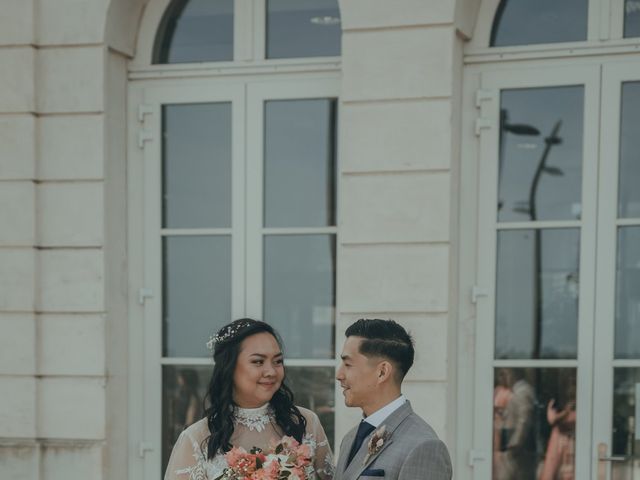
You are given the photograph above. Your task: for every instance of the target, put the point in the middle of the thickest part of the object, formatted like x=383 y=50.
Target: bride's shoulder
x=309 y=415
x=197 y=431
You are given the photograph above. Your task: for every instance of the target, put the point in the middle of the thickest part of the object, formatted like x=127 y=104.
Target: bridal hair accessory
x=226 y=333
x=376 y=442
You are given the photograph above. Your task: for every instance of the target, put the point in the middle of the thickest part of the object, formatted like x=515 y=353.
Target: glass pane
x=303 y=28
x=183 y=392
x=195 y=31
x=196 y=164
x=540 y=169
x=625 y=434
x=525 y=22
x=537 y=293
x=314 y=388
x=628 y=293
x=299 y=292
x=534 y=419
x=629 y=174
x=631 y=18
x=300 y=163
x=196 y=292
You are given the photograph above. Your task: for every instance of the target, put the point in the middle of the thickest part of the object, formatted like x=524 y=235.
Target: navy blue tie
x=364 y=429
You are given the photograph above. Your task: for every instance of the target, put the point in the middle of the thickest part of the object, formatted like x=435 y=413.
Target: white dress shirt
x=380 y=415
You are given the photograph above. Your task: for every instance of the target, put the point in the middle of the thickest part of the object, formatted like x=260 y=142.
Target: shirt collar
x=380 y=415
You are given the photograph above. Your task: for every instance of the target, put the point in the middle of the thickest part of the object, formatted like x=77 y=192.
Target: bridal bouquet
x=285 y=460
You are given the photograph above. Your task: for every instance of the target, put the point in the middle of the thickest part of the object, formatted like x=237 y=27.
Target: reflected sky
x=515 y=329
x=196 y=165
x=196 y=292
x=303 y=28
x=629 y=170
x=524 y=22
x=557 y=195
x=631 y=18
x=299 y=292
x=300 y=163
x=195 y=31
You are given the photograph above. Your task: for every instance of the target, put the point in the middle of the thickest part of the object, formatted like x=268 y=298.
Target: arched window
x=195 y=31
x=203 y=30
x=526 y=22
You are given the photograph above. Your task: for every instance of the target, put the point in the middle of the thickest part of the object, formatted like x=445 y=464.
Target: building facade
x=468 y=168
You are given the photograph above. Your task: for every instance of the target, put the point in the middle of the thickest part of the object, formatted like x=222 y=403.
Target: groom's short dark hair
x=386 y=339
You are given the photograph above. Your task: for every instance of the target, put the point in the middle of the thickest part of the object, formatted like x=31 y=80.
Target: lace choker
x=254 y=418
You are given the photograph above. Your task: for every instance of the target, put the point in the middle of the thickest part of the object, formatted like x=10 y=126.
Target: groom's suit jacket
x=411 y=451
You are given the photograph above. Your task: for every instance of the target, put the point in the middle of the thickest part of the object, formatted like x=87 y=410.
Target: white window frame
x=247 y=81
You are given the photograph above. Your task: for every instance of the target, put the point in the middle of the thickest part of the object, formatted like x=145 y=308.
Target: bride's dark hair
x=220 y=412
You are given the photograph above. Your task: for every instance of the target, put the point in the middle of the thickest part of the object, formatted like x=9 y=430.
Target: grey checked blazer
x=412 y=451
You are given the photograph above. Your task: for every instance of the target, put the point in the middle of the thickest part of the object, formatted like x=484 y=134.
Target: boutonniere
x=376 y=442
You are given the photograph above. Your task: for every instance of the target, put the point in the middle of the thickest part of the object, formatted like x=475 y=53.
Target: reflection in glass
x=631 y=18
x=540 y=162
x=300 y=163
x=314 y=388
x=537 y=293
x=183 y=390
x=196 y=292
x=629 y=170
x=628 y=293
x=303 y=28
x=534 y=418
x=299 y=292
x=519 y=22
x=196 y=165
x=195 y=31
x=625 y=433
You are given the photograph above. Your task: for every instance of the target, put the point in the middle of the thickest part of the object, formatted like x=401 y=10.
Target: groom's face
x=357 y=375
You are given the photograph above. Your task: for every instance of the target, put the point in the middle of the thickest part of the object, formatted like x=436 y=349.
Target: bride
x=250 y=406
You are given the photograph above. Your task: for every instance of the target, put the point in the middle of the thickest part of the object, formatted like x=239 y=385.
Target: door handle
x=603 y=458
x=613 y=459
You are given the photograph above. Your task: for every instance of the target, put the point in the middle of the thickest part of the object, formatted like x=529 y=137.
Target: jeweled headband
x=226 y=333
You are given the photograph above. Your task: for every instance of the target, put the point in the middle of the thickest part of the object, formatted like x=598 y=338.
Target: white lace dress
x=254 y=427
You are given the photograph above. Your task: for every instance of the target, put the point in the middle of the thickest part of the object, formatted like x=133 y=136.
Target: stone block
x=71 y=408
x=71 y=281
x=397 y=64
x=17 y=214
x=396 y=278
x=87 y=461
x=65 y=22
x=411 y=207
x=17 y=147
x=429 y=400
x=17 y=281
x=16 y=22
x=70 y=214
x=17 y=344
x=19 y=461
x=71 y=345
x=356 y=14
x=72 y=147
x=71 y=80
x=17 y=82
x=17 y=407
x=396 y=136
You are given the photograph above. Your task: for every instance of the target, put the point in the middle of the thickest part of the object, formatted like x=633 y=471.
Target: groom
x=391 y=441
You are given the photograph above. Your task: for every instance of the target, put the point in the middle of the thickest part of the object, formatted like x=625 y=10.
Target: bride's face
x=259 y=371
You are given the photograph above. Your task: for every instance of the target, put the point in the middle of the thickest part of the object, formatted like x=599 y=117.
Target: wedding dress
x=254 y=427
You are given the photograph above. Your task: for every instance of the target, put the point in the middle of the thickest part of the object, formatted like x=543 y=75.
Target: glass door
x=538 y=133
x=194 y=236
x=616 y=449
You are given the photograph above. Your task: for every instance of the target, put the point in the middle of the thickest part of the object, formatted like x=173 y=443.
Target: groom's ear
x=385 y=371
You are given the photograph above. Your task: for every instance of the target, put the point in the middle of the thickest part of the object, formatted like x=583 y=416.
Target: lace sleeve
x=187 y=461
x=323 y=457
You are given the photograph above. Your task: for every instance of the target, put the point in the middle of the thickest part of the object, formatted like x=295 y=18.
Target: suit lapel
x=344 y=450
x=358 y=465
